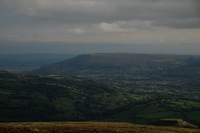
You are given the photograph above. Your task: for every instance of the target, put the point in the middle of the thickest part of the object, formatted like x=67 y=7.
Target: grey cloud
x=169 y=13
x=179 y=23
x=99 y=22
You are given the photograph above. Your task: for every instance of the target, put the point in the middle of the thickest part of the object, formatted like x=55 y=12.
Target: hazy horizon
x=99 y=26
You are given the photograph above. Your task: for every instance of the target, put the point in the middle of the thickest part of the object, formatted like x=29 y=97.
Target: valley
x=119 y=87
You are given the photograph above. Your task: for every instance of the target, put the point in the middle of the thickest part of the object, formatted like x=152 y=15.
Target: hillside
x=88 y=127
x=66 y=98
x=53 y=98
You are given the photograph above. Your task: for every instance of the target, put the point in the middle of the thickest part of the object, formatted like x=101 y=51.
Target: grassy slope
x=53 y=97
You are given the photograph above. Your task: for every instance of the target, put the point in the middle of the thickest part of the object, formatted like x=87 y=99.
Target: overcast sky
x=91 y=26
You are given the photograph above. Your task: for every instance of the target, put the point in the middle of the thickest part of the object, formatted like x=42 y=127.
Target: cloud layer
x=101 y=21
x=162 y=12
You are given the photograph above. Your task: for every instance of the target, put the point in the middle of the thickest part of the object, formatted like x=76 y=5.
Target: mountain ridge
x=124 y=58
x=108 y=60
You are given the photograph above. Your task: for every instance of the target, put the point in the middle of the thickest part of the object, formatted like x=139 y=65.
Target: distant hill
x=111 y=60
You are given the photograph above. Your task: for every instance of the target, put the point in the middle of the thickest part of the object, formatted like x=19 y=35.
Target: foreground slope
x=88 y=127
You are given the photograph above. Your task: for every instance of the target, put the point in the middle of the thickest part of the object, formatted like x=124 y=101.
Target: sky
x=100 y=26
